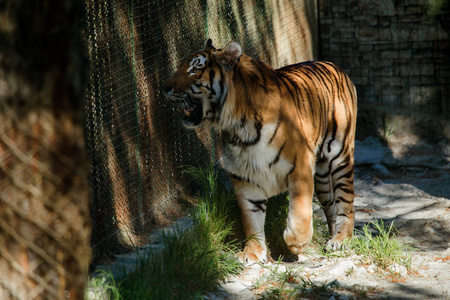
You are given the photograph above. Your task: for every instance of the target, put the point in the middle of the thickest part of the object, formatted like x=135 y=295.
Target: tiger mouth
x=192 y=111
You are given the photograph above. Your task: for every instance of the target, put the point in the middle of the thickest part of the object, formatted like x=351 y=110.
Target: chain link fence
x=44 y=191
x=136 y=144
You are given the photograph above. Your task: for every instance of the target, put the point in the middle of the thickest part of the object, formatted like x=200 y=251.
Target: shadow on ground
x=406 y=183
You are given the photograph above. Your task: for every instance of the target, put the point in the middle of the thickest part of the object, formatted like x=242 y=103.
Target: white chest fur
x=260 y=163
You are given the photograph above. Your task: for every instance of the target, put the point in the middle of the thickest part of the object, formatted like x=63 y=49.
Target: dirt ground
x=404 y=181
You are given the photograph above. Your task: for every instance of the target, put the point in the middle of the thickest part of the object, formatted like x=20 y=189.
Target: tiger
x=288 y=129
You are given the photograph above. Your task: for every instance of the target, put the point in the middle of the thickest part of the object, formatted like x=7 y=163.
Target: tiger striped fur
x=290 y=129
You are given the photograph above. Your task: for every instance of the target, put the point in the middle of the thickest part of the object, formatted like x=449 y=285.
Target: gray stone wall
x=395 y=51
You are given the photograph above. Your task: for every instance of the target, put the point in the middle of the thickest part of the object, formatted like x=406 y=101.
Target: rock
x=433 y=234
x=365 y=285
x=370 y=284
x=255 y=271
x=377 y=182
x=361 y=271
x=358 y=284
x=237 y=288
x=398 y=269
x=247 y=295
x=424 y=147
x=303 y=258
x=438 y=160
x=446 y=252
x=320 y=280
x=372 y=268
x=408 y=240
x=382 y=170
x=278 y=268
x=340 y=268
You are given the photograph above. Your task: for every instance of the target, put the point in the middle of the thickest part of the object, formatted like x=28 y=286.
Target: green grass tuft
x=101 y=286
x=389 y=126
x=193 y=262
x=290 y=284
x=382 y=249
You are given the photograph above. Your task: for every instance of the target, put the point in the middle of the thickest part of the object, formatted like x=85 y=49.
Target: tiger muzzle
x=190 y=108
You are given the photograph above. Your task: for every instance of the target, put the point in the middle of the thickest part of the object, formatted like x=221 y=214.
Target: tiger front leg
x=299 y=229
x=252 y=204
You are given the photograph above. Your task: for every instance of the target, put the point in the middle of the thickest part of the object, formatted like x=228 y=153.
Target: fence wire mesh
x=44 y=191
x=43 y=218
x=136 y=144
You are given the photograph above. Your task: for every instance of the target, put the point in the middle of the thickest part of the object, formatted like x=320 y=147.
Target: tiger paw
x=334 y=245
x=295 y=242
x=253 y=253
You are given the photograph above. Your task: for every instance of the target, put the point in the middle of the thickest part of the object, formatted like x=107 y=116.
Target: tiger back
x=290 y=129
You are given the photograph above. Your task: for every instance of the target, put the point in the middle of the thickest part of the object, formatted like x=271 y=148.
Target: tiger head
x=201 y=84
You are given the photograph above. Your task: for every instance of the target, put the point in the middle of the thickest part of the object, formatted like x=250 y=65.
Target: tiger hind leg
x=334 y=188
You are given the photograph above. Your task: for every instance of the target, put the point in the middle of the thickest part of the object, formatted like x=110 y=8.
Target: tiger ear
x=209 y=45
x=229 y=56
